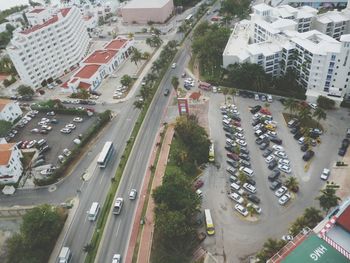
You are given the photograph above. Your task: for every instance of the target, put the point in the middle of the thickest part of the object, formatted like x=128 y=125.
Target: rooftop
x=100 y=57
x=87 y=71
x=116 y=44
x=3 y=103
x=5 y=152
x=344 y=219
x=37 y=10
x=262 y=7
x=146 y=4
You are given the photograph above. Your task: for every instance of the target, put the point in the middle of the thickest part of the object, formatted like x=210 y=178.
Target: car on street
x=116 y=258
x=253 y=198
x=281 y=191
x=66 y=130
x=287 y=238
x=256 y=207
x=285 y=168
x=241 y=209
x=308 y=155
x=284 y=199
x=236 y=197
x=173 y=65
x=132 y=194
x=166 y=92
x=250 y=188
x=325 y=174
x=78 y=119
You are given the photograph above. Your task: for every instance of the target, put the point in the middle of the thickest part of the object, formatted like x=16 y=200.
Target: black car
x=308 y=155
x=267 y=152
x=275 y=174
x=298 y=135
x=272 y=164
x=342 y=151
x=166 y=92
x=44 y=148
x=244 y=163
x=232 y=163
x=244 y=156
x=263 y=146
x=259 y=141
x=253 y=198
x=255 y=109
x=243 y=150
x=250 y=94
x=250 y=181
x=255 y=122
x=304 y=147
x=236 y=118
x=345 y=143
x=294 y=130
x=276 y=140
x=227 y=129
x=275 y=184
x=230 y=136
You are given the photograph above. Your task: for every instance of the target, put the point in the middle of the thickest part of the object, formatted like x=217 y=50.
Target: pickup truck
x=118 y=206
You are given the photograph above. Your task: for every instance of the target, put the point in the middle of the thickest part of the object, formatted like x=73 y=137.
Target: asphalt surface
x=232 y=230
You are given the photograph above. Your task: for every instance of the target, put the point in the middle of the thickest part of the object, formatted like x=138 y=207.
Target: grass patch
x=27 y=157
x=191 y=64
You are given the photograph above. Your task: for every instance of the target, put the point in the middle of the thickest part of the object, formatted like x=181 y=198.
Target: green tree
x=126 y=80
x=292 y=184
x=328 y=197
x=292 y=105
x=24 y=90
x=304 y=114
x=298 y=225
x=136 y=56
x=5 y=127
x=138 y=104
x=270 y=247
x=225 y=91
x=251 y=210
x=312 y=216
x=146 y=55
x=175 y=83
x=325 y=103
x=242 y=177
x=319 y=114
x=88 y=247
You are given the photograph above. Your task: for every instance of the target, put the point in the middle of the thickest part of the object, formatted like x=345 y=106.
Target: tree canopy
x=24 y=90
x=5 y=127
x=239 y=8
x=325 y=103
x=126 y=80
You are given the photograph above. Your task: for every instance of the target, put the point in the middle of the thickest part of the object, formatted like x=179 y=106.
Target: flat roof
x=146 y=4
x=87 y=71
x=315 y=249
x=344 y=219
x=100 y=56
x=116 y=44
x=37 y=10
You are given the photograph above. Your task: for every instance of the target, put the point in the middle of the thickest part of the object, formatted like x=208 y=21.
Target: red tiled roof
x=65 y=85
x=37 y=10
x=3 y=76
x=5 y=152
x=87 y=71
x=73 y=80
x=344 y=219
x=195 y=95
x=87 y=18
x=100 y=57
x=50 y=21
x=3 y=103
x=116 y=44
x=84 y=85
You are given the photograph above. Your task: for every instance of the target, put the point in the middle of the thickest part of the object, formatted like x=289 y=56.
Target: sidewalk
x=148 y=227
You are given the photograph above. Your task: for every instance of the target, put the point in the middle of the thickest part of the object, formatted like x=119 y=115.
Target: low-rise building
x=9 y=110
x=143 y=12
x=11 y=168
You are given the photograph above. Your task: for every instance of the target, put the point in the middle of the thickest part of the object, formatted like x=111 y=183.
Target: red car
x=236 y=123
x=233 y=156
x=198 y=184
x=24 y=144
x=265 y=111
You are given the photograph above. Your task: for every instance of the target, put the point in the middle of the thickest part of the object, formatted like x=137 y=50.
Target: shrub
x=325 y=103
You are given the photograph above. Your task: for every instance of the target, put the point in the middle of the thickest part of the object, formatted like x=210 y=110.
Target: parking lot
x=55 y=139
x=232 y=229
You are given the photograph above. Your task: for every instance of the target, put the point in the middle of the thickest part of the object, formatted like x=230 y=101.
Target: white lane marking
x=116 y=233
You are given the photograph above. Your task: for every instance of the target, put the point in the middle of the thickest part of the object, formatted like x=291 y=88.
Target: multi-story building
x=54 y=43
x=333 y=24
x=313 y=3
x=321 y=62
x=10 y=163
x=9 y=110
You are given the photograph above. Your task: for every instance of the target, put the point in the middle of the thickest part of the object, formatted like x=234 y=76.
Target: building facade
x=9 y=110
x=143 y=12
x=54 y=43
x=320 y=58
x=11 y=168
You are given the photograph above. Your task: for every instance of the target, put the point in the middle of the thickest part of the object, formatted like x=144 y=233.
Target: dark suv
x=308 y=155
x=275 y=174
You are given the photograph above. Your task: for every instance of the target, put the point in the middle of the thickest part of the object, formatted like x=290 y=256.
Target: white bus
x=93 y=212
x=209 y=222
x=189 y=17
x=105 y=154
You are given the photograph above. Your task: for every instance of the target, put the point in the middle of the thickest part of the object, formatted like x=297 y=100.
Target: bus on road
x=209 y=222
x=211 y=157
x=105 y=154
x=189 y=17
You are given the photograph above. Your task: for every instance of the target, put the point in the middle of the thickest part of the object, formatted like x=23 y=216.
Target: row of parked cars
x=344 y=144
x=275 y=157
x=238 y=160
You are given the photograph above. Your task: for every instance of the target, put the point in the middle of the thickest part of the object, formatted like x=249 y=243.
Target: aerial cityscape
x=174 y=131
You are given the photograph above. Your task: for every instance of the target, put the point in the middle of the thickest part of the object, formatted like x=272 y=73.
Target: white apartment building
x=321 y=62
x=11 y=168
x=9 y=110
x=54 y=43
x=333 y=24
x=312 y=3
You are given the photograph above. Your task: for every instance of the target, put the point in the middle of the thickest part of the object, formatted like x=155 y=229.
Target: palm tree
x=225 y=91
x=138 y=104
x=88 y=247
x=313 y=216
x=292 y=184
x=298 y=225
x=146 y=55
x=304 y=114
x=242 y=177
x=291 y=105
x=251 y=210
x=175 y=82
x=319 y=114
x=271 y=246
x=136 y=56
x=328 y=197
x=130 y=35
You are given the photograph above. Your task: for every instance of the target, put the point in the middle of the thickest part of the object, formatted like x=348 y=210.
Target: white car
x=241 y=209
x=46 y=127
x=50 y=113
x=269 y=158
x=116 y=258
x=66 y=130
x=66 y=152
x=78 y=119
x=281 y=191
x=285 y=168
x=31 y=144
x=284 y=162
x=241 y=142
x=313 y=106
x=280 y=154
x=284 y=199
x=239 y=136
x=250 y=188
x=325 y=174
x=48 y=171
x=237 y=198
x=61 y=158
x=41 y=123
x=70 y=126
x=256 y=97
x=173 y=65
x=287 y=237
x=277 y=148
x=272 y=134
x=132 y=194
x=256 y=207
x=35 y=130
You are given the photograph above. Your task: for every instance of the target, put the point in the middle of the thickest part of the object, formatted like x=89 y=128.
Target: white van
x=65 y=255
x=269 y=98
x=301 y=140
x=234 y=187
x=247 y=171
x=199 y=193
x=93 y=212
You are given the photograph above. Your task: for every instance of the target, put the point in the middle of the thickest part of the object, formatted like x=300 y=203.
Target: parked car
x=250 y=188
x=276 y=140
x=232 y=163
x=272 y=165
x=263 y=146
x=253 y=198
x=51 y=113
x=267 y=152
x=231 y=170
x=285 y=168
x=325 y=174
x=308 y=155
x=78 y=119
x=244 y=156
x=284 y=199
x=256 y=207
x=244 y=163
x=287 y=237
x=70 y=126
x=66 y=152
x=233 y=156
x=280 y=154
x=275 y=184
x=281 y=191
x=277 y=148
x=35 y=130
x=198 y=184
x=237 y=198
x=274 y=175
x=304 y=147
x=241 y=209
x=31 y=144
x=66 y=130
x=61 y=158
